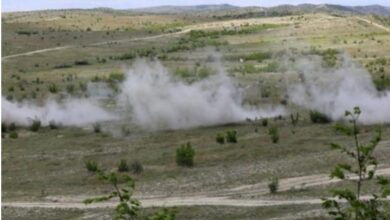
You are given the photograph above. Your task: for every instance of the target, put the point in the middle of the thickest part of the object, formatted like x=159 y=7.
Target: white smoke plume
x=333 y=91
x=153 y=99
x=70 y=112
x=159 y=101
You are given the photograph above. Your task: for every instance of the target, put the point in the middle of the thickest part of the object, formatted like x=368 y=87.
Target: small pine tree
x=53 y=125
x=220 y=138
x=35 y=126
x=318 y=117
x=123 y=166
x=13 y=134
x=97 y=128
x=364 y=169
x=264 y=122
x=91 y=166
x=231 y=136
x=128 y=207
x=273 y=186
x=136 y=167
x=12 y=127
x=185 y=155
x=274 y=133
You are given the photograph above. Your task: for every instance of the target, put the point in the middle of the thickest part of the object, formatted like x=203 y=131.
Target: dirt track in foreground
x=217 y=198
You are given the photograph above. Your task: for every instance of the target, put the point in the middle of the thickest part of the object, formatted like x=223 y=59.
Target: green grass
x=51 y=162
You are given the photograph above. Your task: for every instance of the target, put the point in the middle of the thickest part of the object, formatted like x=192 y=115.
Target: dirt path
x=217 y=198
x=36 y=52
x=166 y=202
x=374 y=24
x=207 y=25
x=95 y=44
x=142 y=38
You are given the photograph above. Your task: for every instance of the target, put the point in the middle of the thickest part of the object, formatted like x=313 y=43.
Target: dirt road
x=374 y=24
x=36 y=52
x=186 y=29
x=228 y=197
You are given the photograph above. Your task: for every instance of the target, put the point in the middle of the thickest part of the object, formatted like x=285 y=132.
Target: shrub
x=220 y=138
x=248 y=68
x=70 y=88
x=91 y=166
x=97 y=128
x=81 y=62
x=318 y=117
x=294 y=119
x=123 y=166
x=126 y=56
x=9 y=97
x=53 y=88
x=264 y=122
x=62 y=66
x=258 y=56
x=136 y=167
x=53 y=125
x=13 y=135
x=83 y=86
x=270 y=67
x=127 y=206
x=185 y=155
x=35 y=126
x=117 y=77
x=274 y=133
x=273 y=185
x=361 y=163
x=12 y=127
x=4 y=127
x=231 y=136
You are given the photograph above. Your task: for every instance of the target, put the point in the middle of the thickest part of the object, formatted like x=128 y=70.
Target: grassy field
x=93 y=45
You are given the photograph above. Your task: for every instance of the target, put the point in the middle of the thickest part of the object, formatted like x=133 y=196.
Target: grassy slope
x=51 y=163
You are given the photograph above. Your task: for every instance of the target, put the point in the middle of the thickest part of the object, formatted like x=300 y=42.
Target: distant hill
x=328 y=8
x=185 y=9
x=281 y=9
x=231 y=11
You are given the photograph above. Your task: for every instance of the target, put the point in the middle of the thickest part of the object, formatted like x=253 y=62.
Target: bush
x=185 y=155
x=231 y=136
x=274 y=133
x=248 y=68
x=53 y=88
x=294 y=119
x=136 y=167
x=264 y=122
x=35 y=126
x=270 y=67
x=13 y=135
x=258 y=56
x=116 y=77
x=273 y=185
x=97 y=128
x=91 y=166
x=81 y=62
x=83 y=86
x=53 y=125
x=12 y=127
x=220 y=138
x=4 y=127
x=123 y=166
x=70 y=88
x=318 y=117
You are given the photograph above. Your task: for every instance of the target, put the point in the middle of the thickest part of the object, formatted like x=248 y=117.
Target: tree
x=185 y=155
x=128 y=207
x=363 y=169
